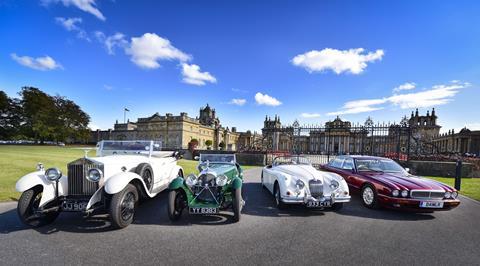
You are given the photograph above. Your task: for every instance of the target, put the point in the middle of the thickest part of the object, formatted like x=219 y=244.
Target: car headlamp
x=299 y=184
x=94 y=175
x=454 y=194
x=191 y=180
x=448 y=194
x=395 y=193
x=221 y=180
x=404 y=193
x=334 y=184
x=53 y=174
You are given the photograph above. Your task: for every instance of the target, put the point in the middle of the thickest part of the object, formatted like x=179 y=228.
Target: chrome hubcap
x=368 y=196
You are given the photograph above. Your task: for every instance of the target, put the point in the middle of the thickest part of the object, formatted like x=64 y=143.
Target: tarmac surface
x=265 y=235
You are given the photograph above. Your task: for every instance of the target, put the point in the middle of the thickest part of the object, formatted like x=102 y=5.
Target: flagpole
x=125 y=110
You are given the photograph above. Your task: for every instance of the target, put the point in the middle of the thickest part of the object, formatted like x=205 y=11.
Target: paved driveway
x=355 y=235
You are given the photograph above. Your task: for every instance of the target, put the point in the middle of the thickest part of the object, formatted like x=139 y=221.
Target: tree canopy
x=39 y=116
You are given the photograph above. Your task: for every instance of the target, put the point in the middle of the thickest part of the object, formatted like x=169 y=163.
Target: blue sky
x=305 y=60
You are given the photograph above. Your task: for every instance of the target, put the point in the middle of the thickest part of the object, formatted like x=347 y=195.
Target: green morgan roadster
x=217 y=187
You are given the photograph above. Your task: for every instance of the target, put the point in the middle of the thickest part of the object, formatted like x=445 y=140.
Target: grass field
x=470 y=187
x=16 y=161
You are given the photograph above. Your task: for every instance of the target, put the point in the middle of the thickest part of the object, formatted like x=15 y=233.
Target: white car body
x=286 y=175
x=118 y=167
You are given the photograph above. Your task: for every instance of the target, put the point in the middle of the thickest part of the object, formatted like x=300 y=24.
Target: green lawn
x=16 y=161
x=470 y=186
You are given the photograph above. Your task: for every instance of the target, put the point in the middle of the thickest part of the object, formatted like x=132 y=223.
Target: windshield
x=291 y=160
x=111 y=147
x=217 y=158
x=378 y=165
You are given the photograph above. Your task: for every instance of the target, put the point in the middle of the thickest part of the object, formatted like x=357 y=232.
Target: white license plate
x=431 y=204
x=195 y=210
x=74 y=206
x=313 y=204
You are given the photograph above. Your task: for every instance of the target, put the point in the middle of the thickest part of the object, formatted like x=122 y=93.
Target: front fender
x=176 y=183
x=118 y=182
x=48 y=187
x=236 y=183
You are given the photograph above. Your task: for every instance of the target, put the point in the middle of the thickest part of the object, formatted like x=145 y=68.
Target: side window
x=348 y=164
x=337 y=163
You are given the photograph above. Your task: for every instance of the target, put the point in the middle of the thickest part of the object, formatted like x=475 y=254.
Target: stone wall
x=447 y=169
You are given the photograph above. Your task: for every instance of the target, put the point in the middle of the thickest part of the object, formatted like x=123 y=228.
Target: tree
x=208 y=143
x=39 y=112
x=221 y=145
x=71 y=122
x=10 y=117
x=192 y=145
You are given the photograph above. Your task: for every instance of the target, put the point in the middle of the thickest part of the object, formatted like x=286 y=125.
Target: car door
x=347 y=171
x=268 y=177
x=161 y=170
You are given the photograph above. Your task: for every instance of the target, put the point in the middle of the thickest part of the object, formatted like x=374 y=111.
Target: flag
x=126 y=110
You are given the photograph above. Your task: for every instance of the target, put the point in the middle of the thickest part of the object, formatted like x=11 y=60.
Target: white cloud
x=112 y=41
x=264 y=99
x=192 y=75
x=40 y=63
x=310 y=115
x=88 y=6
x=437 y=95
x=238 y=102
x=93 y=126
x=352 y=60
x=71 y=24
x=150 y=48
x=108 y=87
x=405 y=87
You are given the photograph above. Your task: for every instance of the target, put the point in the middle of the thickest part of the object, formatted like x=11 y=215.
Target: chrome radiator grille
x=427 y=194
x=316 y=188
x=78 y=185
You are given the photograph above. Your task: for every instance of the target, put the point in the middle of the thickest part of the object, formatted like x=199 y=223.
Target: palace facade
x=419 y=134
x=176 y=131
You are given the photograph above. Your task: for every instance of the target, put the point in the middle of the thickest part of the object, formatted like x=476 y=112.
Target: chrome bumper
x=305 y=199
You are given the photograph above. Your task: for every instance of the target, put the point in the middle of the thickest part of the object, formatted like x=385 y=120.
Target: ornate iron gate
x=322 y=143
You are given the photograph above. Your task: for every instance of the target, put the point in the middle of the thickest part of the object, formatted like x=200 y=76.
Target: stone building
x=424 y=126
x=465 y=141
x=340 y=137
x=176 y=131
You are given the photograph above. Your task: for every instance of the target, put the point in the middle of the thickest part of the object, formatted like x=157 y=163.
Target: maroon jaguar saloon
x=384 y=183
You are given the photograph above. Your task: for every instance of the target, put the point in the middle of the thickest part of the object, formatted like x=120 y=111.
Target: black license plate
x=317 y=204
x=203 y=210
x=74 y=206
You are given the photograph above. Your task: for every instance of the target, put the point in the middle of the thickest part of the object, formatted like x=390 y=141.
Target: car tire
x=122 y=207
x=176 y=204
x=28 y=203
x=146 y=172
x=278 y=198
x=369 y=197
x=337 y=206
x=237 y=204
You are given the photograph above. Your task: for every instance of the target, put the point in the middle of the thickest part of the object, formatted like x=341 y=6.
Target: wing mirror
x=407 y=169
x=196 y=158
x=179 y=154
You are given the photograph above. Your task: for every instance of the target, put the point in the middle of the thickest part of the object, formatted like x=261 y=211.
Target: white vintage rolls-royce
x=122 y=173
x=293 y=180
